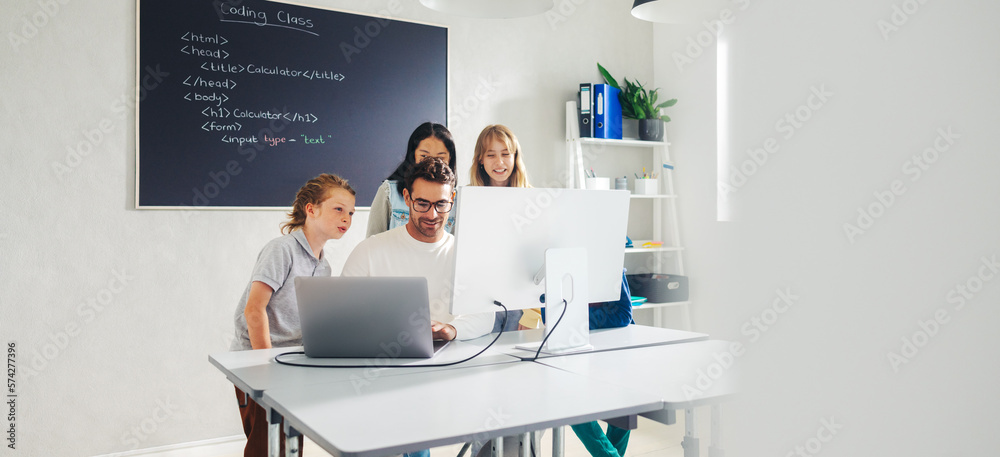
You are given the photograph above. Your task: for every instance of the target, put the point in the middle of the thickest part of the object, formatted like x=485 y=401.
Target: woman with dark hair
x=388 y=209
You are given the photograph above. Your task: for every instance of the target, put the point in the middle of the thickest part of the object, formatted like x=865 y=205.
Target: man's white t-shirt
x=396 y=253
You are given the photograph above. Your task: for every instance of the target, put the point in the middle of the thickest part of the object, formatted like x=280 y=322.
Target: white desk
x=255 y=372
x=610 y=339
x=330 y=405
x=399 y=414
x=684 y=376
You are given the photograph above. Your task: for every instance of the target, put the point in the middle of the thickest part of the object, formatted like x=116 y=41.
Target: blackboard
x=241 y=102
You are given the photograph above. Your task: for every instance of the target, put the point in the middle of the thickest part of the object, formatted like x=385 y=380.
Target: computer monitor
x=504 y=235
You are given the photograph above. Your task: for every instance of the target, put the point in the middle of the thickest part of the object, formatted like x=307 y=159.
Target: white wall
x=135 y=372
x=856 y=297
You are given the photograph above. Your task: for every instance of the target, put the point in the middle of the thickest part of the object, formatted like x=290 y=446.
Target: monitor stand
x=565 y=275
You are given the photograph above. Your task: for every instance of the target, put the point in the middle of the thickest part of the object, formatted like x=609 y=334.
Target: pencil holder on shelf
x=646 y=186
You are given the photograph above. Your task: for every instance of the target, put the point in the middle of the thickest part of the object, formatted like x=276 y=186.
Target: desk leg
x=557 y=441
x=536 y=443
x=291 y=441
x=496 y=446
x=690 y=444
x=524 y=443
x=715 y=442
x=273 y=433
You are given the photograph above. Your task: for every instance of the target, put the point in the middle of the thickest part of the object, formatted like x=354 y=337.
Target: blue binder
x=607 y=112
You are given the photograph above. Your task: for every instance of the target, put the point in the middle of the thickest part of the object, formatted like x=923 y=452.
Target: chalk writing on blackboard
x=245 y=15
x=270 y=87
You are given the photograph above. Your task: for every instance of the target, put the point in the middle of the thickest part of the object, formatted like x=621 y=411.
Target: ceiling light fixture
x=490 y=9
x=677 y=11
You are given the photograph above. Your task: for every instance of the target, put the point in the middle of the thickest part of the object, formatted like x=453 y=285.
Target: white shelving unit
x=668 y=258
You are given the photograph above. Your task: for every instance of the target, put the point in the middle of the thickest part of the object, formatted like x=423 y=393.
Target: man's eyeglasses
x=422 y=206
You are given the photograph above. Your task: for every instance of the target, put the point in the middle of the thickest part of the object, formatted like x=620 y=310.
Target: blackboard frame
x=227 y=171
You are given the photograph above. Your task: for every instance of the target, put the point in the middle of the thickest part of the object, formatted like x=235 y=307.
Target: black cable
x=311 y=365
x=549 y=333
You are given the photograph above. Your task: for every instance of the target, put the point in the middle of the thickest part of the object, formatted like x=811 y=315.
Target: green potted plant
x=638 y=103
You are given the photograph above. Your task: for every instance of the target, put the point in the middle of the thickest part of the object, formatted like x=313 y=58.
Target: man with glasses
x=423 y=248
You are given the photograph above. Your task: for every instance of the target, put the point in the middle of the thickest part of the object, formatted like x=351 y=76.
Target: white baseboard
x=230 y=445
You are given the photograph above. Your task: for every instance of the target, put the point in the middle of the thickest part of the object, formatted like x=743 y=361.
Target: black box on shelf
x=658 y=288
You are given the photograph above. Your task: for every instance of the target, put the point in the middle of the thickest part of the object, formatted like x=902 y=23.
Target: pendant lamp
x=490 y=9
x=677 y=11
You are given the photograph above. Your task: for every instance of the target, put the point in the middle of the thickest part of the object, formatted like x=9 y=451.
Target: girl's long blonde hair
x=314 y=191
x=478 y=175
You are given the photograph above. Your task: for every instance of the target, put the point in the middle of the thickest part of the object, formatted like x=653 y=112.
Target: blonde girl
x=497 y=162
x=266 y=315
x=497 y=159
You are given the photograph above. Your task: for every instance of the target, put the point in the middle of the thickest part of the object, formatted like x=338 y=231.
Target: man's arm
x=470 y=326
x=441 y=331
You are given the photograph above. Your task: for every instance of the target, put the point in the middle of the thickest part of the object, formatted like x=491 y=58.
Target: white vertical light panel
x=723 y=212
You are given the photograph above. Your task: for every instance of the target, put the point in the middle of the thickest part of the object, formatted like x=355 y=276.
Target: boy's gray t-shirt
x=281 y=260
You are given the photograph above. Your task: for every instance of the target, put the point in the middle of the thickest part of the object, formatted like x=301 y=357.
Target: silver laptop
x=365 y=317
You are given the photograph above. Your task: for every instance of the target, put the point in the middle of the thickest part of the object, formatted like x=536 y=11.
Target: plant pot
x=651 y=129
